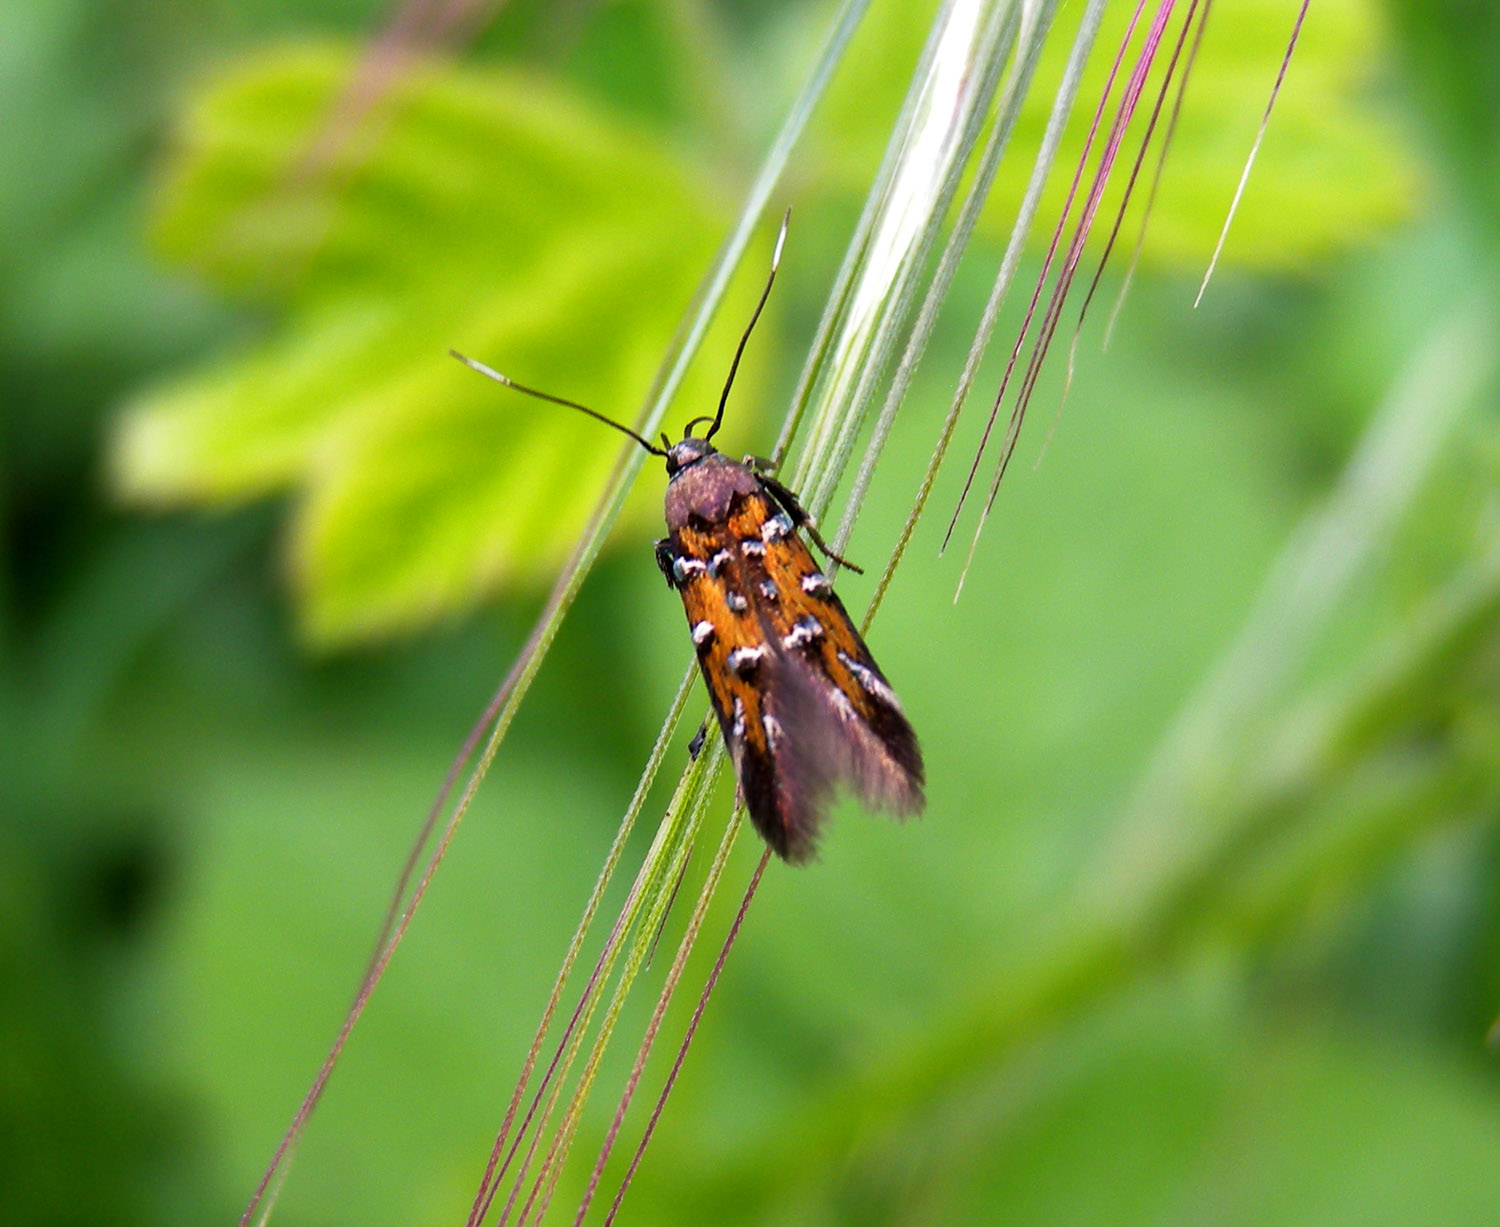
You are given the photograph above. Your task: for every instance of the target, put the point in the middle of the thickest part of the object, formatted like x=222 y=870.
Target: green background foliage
x=269 y=550
x=489 y=212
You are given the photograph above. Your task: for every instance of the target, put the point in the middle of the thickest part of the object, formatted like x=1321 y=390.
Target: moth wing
x=801 y=702
x=782 y=793
x=786 y=762
x=843 y=720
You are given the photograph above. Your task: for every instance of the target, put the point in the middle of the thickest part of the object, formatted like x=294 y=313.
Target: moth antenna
x=759 y=307
x=507 y=381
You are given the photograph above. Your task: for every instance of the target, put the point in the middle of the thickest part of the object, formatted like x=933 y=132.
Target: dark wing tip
x=785 y=796
x=895 y=782
x=789 y=781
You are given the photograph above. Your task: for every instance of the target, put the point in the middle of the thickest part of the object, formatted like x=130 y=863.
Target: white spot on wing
x=841 y=704
x=804 y=631
x=744 y=659
x=775 y=529
x=773 y=730
x=871 y=681
x=702 y=633
x=816 y=584
x=736 y=601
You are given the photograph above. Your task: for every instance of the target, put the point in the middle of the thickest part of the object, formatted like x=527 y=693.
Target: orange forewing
x=787 y=563
x=705 y=598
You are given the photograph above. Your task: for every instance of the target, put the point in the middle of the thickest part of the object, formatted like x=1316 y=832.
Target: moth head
x=688 y=452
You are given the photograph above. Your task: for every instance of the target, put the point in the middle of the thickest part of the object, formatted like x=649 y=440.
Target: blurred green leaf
x=488 y=212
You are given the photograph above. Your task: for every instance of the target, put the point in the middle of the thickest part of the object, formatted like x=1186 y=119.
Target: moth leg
x=759 y=465
x=801 y=520
x=695 y=747
x=665 y=557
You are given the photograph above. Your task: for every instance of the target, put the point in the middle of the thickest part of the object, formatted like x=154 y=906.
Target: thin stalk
x=591 y=908
x=672 y=852
x=1125 y=112
x=954 y=147
x=1161 y=162
x=1036 y=22
x=684 y=814
x=835 y=310
x=1051 y=255
x=687 y=1039
x=949 y=102
x=1265 y=121
x=1062 y=108
x=669 y=987
x=1144 y=147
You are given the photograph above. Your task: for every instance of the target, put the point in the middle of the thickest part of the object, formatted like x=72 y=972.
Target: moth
x=803 y=707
